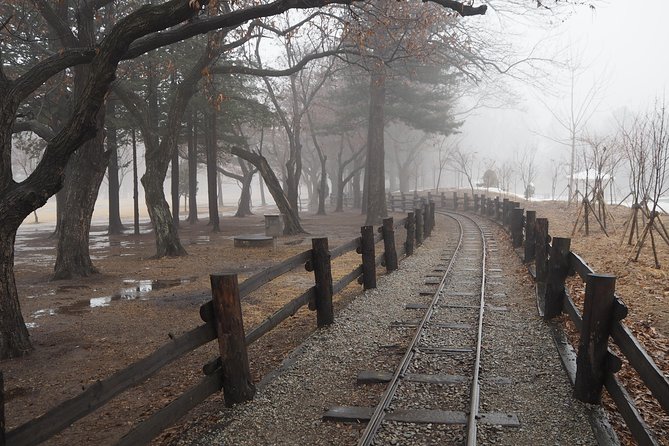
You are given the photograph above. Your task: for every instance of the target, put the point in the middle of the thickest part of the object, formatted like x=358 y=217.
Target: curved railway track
x=437 y=381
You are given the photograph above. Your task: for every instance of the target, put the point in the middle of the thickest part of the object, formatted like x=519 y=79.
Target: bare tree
x=527 y=167
x=505 y=174
x=575 y=113
x=463 y=162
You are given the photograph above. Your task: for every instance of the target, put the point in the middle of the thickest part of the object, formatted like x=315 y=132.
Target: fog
x=620 y=48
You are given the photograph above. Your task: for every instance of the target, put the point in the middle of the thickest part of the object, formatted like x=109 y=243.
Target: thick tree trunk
x=167 y=236
x=211 y=170
x=375 y=191
x=83 y=177
x=244 y=206
x=261 y=183
x=192 y=169
x=14 y=337
x=357 y=193
x=115 y=223
x=323 y=188
x=291 y=222
x=174 y=180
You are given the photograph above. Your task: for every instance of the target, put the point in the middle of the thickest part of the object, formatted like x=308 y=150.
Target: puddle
x=44 y=312
x=68 y=288
x=139 y=290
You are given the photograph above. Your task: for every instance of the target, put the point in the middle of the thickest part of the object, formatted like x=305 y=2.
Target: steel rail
x=379 y=413
x=476 y=388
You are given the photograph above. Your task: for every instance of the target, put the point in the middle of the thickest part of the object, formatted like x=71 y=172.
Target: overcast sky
x=622 y=47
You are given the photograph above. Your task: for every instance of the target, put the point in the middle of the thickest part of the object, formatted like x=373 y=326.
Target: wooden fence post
x=403 y=198
x=455 y=201
x=476 y=202
x=505 y=211
x=237 y=383
x=432 y=216
x=368 y=257
x=496 y=212
x=418 y=212
x=558 y=270
x=2 y=408
x=426 y=220
x=389 y=251
x=443 y=200
x=530 y=217
x=593 y=360
x=517 y=221
x=391 y=201
x=540 y=250
x=410 y=226
x=320 y=262
x=466 y=201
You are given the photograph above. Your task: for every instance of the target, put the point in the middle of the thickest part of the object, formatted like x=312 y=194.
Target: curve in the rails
x=379 y=413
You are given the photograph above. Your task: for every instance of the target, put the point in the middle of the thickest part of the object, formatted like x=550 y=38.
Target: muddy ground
x=86 y=329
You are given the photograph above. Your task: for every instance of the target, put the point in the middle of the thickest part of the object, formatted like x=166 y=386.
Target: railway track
x=433 y=395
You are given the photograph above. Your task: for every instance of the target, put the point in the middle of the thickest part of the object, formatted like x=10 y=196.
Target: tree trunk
x=115 y=223
x=83 y=177
x=291 y=221
x=322 y=188
x=192 y=169
x=14 y=337
x=210 y=133
x=167 y=237
x=375 y=191
x=262 y=191
x=174 y=180
x=357 y=193
x=244 y=206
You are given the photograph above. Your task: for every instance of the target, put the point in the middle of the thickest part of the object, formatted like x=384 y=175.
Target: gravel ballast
x=521 y=372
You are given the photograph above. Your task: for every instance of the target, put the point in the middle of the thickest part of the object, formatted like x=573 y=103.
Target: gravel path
x=517 y=348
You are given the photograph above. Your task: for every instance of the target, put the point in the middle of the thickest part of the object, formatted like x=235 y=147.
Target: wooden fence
x=223 y=321
x=594 y=366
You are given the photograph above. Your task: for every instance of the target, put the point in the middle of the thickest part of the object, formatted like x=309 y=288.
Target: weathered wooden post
x=418 y=212
x=496 y=211
x=443 y=200
x=410 y=226
x=389 y=251
x=476 y=202
x=429 y=196
x=404 y=206
x=391 y=202
x=2 y=409
x=466 y=202
x=426 y=220
x=455 y=201
x=541 y=249
x=558 y=270
x=320 y=262
x=237 y=382
x=593 y=362
x=530 y=217
x=432 y=216
x=368 y=257
x=505 y=212
x=517 y=220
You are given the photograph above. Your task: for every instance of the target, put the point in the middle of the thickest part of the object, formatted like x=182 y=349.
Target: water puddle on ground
x=133 y=289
